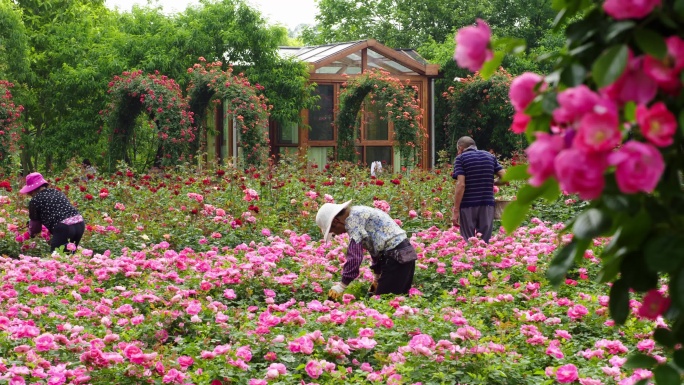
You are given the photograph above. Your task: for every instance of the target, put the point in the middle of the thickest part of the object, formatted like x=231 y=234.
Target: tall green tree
x=76 y=47
x=14 y=63
x=71 y=62
x=412 y=23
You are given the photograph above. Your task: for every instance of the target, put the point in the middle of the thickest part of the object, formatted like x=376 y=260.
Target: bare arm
x=458 y=196
x=499 y=181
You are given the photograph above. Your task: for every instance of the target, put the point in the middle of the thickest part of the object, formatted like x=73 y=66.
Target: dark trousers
x=475 y=220
x=63 y=234
x=395 y=277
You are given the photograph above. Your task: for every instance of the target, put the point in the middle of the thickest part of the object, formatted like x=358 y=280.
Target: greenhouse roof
x=350 y=57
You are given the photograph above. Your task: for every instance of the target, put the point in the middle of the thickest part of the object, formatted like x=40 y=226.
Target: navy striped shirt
x=479 y=168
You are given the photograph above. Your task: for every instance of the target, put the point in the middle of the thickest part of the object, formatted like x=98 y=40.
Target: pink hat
x=33 y=181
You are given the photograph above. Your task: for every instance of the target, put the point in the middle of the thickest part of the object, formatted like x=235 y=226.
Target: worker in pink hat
x=373 y=230
x=51 y=208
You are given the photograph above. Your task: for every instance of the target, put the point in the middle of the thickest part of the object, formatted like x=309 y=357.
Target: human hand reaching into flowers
x=335 y=292
x=374 y=286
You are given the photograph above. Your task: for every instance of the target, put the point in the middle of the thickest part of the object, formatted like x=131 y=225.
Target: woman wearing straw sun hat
x=51 y=208
x=373 y=230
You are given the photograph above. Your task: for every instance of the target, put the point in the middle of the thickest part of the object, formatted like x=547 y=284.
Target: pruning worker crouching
x=394 y=259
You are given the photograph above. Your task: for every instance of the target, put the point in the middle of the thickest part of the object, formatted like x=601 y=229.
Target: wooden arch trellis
x=396 y=98
x=10 y=123
x=158 y=97
x=209 y=83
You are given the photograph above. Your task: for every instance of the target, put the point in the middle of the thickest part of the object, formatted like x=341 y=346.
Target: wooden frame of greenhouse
x=330 y=67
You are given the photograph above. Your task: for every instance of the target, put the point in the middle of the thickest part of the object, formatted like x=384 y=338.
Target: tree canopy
x=65 y=52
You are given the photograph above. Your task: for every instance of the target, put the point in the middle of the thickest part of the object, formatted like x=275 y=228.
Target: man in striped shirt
x=474 y=172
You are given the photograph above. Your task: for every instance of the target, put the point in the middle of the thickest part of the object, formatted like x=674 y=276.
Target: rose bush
x=10 y=124
x=209 y=84
x=176 y=283
x=159 y=98
x=605 y=124
x=402 y=108
x=257 y=314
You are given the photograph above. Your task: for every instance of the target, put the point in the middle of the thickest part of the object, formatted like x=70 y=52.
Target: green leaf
x=492 y=65
x=617 y=28
x=518 y=172
x=559 y=5
x=539 y=123
x=650 y=42
x=616 y=203
x=666 y=375
x=549 y=102
x=664 y=337
x=679 y=8
x=564 y=259
x=640 y=361
x=664 y=253
x=678 y=357
x=561 y=263
x=510 y=45
x=630 y=111
x=591 y=224
x=681 y=117
x=573 y=75
x=513 y=216
x=610 y=65
x=549 y=190
x=619 y=301
x=611 y=267
x=676 y=287
x=636 y=274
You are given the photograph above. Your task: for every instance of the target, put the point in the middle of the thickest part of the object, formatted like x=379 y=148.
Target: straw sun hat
x=326 y=214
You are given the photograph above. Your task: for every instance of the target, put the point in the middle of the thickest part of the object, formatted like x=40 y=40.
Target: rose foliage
x=10 y=123
x=399 y=102
x=244 y=105
x=160 y=99
x=607 y=125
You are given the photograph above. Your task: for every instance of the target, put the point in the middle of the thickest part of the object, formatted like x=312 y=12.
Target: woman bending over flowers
x=51 y=208
x=393 y=256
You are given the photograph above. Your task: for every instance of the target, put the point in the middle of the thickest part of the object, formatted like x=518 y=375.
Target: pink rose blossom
x=194 y=307
x=314 y=369
x=45 y=342
x=473 y=46
x=520 y=122
x=541 y=155
x=629 y=9
x=567 y=374
x=185 y=361
x=638 y=167
x=665 y=72
x=657 y=124
x=653 y=305
x=598 y=132
x=229 y=294
x=574 y=103
x=522 y=90
x=581 y=173
x=633 y=85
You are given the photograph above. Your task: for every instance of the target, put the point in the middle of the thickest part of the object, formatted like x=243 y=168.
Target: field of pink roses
x=218 y=277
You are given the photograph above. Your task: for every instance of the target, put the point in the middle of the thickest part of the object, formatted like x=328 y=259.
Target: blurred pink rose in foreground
x=473 y=46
